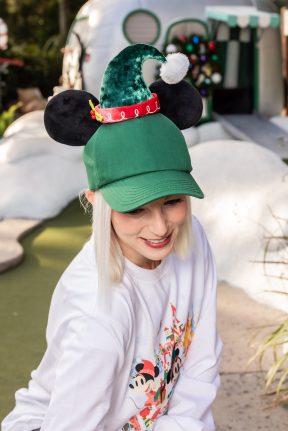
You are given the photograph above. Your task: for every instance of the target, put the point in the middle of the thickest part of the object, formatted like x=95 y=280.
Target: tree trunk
x=63 y=12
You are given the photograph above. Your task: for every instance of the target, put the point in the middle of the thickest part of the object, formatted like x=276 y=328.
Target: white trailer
x=102 y=28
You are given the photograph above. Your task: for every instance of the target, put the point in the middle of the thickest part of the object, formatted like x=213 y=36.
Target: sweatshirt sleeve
x=190 y=405
x=83 y=388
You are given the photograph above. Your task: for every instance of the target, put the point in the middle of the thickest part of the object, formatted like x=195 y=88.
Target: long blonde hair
x=109 y=257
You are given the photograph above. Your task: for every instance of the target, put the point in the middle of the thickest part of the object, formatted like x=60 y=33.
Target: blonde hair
x=109 y=257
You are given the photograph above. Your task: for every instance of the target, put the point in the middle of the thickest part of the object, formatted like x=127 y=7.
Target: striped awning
x=243 y=16
x=3 y=34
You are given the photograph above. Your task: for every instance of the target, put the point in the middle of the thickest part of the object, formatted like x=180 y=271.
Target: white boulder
x=212 y=131
x=244 y=211
x=205 y=132
x=38 y=176
x=191 y=136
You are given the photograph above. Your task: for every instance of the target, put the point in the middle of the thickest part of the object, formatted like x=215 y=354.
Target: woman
x=132 y=340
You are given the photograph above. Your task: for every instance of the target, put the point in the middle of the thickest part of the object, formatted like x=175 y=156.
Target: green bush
x=276 y=379
x=42 y=67
x=36 y=38
x=7 y=117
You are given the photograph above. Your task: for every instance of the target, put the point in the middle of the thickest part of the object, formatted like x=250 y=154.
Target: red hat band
x=123 y=113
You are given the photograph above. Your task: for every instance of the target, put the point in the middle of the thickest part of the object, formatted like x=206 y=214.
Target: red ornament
x=212 y=45
x=183 y=38
x=193 y=58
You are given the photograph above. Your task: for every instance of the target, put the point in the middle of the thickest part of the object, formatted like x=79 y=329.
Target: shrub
x=276 y=378
x=7 y=117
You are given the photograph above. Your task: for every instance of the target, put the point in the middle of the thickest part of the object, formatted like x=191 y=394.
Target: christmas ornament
x=171 y=48
x=216 y=78
x=204 y=71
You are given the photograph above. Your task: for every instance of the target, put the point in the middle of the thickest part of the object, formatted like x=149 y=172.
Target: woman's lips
x=157 y=243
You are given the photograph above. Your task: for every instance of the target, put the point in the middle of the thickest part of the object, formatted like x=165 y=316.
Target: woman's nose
x=158 y=224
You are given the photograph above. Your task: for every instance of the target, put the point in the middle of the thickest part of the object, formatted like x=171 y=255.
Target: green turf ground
x=25 y=294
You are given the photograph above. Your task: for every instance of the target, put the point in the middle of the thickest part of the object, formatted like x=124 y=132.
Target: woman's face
x=147 y=234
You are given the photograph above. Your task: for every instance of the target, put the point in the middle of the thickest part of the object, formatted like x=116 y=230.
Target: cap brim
x=130 y=193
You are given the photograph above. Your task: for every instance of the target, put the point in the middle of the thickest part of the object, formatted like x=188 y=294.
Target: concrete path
x=240 y=405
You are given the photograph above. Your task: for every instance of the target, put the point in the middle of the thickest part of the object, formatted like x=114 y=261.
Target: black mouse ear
x=67 y=117
x=180 y=102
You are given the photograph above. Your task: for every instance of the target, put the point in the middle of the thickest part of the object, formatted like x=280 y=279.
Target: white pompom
x=175 y=68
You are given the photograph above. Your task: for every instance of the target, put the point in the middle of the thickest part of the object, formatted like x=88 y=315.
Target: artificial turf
x=25 y=294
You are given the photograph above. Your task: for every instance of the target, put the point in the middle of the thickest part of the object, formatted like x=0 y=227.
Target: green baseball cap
x=135 y=162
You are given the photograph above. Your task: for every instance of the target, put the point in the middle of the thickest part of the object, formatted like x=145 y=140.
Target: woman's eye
x=173 y=201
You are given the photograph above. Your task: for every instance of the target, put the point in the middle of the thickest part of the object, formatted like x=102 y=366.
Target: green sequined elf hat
x=134 y=151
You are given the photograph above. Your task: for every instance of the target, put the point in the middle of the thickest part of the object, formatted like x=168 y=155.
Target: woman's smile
x=157 y=243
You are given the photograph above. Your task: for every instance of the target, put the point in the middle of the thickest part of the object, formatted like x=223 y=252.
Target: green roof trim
x=275 y=21
x=254 y=21
x=232 y=20
x=243 y=16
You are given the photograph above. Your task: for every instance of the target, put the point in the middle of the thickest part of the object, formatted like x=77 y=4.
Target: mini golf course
x=25 y=294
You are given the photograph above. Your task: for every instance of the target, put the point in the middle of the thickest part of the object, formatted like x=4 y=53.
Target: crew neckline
x=145 y=274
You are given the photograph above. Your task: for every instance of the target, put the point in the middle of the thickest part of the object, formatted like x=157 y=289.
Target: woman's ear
x=89 y=194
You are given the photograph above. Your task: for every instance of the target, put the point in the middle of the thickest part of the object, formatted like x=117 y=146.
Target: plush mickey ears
x=180 y=102
x=67 y=119
x=124 y=94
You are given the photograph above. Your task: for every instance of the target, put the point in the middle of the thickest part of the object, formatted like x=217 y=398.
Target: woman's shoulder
x=199 y=246
x=198 y=232
x=194 y=272
x=75 y=296
x=201 y=252
x=205 y=277
x=78 y=284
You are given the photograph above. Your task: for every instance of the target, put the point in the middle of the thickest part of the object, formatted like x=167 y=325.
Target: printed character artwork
x=143 y=381
x=175 y=368
x=152 y=381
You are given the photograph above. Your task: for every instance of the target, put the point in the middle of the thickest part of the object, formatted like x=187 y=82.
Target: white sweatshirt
x=151 y=364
